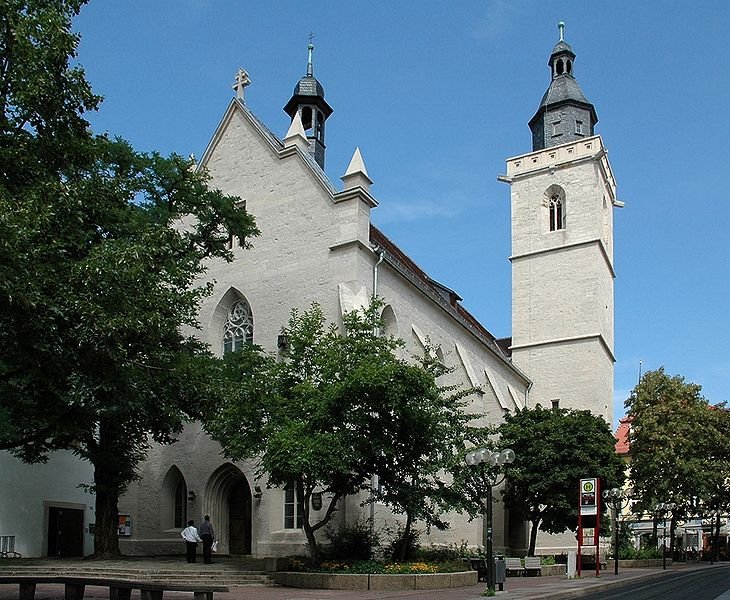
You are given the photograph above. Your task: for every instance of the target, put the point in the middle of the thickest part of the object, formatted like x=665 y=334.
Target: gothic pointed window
x=238 y=328
x=181 y=504
x=557 y=213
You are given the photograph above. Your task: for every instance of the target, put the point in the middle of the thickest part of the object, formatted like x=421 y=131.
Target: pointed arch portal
x=228 y=502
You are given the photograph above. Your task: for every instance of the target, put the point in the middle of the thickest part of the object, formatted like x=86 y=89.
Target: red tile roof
x=622 y=436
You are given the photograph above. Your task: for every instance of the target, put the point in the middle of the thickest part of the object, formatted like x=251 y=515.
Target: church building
x=318 y=244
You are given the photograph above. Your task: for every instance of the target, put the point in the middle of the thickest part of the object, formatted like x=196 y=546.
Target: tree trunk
x=406 y=540
x=311 y=540
x=114 y=466
x=106 y=537
x=533 y=537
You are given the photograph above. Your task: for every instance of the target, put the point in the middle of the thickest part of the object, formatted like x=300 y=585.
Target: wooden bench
x=513 y=566
x=119 y=589
x=532 y=564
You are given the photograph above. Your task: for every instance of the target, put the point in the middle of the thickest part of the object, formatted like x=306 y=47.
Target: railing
x=7 y=547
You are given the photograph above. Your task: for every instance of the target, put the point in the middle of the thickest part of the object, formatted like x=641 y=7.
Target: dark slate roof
x=562 y=88
x=562 y=46
x=309 y=86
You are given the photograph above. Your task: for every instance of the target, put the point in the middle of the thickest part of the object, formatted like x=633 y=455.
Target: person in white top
x=191 y=537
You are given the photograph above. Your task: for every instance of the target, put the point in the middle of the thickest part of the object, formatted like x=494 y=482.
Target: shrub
x=631 y=553
x=399 y=540
x=354 y=542
x=447 y=553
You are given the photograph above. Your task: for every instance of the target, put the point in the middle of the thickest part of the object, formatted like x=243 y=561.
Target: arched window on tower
x=238 y=328
x=307 y=118
x=556 y=212
x=320 y=127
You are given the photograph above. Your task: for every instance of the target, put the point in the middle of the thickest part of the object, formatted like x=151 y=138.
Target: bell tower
x=562 y=199
x=308 y=100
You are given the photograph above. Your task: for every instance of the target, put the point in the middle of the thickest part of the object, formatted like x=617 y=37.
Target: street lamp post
x=616 y=500
x=491 y=463
x=714 y=540
x=662 y=509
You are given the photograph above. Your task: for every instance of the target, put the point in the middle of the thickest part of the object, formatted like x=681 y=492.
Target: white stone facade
x=43 y=507
x=316 y=245
x=562 y=280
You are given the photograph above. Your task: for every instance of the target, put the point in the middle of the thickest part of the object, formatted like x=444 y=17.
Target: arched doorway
x=239 y=514
x=228 y=502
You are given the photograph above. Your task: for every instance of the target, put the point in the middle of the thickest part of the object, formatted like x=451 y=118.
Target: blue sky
x=437 y=95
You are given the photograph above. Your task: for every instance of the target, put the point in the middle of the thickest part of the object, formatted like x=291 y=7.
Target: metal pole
x=664 y=545
x=490 y=554
x=615 y=539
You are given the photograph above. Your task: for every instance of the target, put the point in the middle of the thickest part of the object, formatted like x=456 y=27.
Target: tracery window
x=238 y=328
x=557 y=213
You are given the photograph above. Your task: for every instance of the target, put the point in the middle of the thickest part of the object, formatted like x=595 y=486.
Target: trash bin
x=500 y=572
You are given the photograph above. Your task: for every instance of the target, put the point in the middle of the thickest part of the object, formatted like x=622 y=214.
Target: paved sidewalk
x=516 y=588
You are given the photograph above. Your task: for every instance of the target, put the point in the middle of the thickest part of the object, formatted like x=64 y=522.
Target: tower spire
x=310 y=50
x=564 y=114
x=308 y=102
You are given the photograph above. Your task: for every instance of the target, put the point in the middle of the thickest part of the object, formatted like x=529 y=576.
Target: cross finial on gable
x=241 y=81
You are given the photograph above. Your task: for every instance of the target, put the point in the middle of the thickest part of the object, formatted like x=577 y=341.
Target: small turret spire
x=310 y=50
x=561 y=29
x=309 y=103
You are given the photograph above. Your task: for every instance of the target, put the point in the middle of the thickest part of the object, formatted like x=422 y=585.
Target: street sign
x=588 y=497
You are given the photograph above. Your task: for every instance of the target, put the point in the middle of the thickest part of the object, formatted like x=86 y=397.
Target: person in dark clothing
x=191 y=537
x=208 y=535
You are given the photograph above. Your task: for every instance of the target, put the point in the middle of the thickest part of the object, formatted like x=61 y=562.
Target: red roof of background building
x=622 y=436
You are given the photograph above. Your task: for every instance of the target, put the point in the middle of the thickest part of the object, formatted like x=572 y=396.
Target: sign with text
x=588 y=497
x=124 y=525
x=589 y=535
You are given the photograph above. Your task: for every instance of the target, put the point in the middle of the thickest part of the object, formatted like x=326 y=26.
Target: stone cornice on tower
x=562 y=156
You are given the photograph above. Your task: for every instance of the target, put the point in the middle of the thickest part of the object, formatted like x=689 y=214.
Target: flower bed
x=374 y=567
x=376 y=575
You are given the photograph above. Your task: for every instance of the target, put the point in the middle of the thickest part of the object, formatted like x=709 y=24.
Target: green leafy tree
x=423 y=433
x=303 y=417
x=680 y=450
x=555 y=449
x=101 y=254
x=337 y=410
